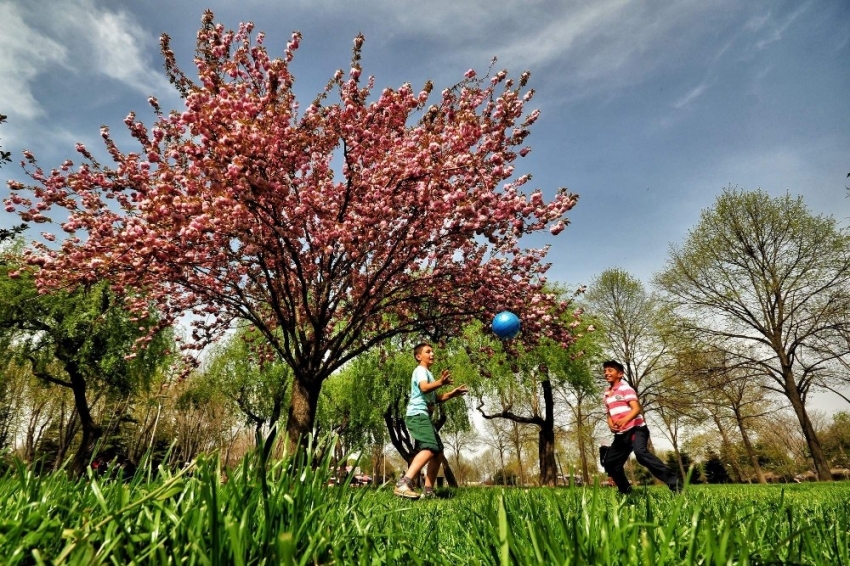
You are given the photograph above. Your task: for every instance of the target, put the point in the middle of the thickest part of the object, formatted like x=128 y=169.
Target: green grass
x=191 y=517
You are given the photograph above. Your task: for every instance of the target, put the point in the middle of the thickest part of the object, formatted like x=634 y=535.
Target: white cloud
x=776 y=32
x=87 y=39
x=807 y=169
x=117 y=46
x=26 y=53
x=757 y=22
x=692 y=95
x=585 y=47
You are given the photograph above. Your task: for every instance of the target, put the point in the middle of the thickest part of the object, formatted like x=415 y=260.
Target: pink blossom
x=230 y=204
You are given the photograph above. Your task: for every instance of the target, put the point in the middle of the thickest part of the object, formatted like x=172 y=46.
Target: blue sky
x=649 y=108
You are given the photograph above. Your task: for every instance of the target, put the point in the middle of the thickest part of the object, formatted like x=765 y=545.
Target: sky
x=648 y=108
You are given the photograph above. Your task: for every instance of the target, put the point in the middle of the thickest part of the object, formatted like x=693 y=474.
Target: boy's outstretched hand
x=459 y=390
x=446 y=378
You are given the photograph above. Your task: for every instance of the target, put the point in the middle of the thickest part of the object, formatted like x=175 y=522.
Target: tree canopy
x=81 y=339
x=330 y=227
x=631 y=320
x=764 y=275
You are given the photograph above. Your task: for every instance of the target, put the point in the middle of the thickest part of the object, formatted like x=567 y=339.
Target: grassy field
x=291 y=517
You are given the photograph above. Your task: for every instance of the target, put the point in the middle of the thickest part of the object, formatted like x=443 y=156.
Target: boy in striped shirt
x=630 y=432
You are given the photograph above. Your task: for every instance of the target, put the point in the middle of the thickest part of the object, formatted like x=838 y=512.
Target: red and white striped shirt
x=617 y=403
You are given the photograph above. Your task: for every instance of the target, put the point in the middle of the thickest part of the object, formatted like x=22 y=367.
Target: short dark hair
x=614 y=364
x=418 y=349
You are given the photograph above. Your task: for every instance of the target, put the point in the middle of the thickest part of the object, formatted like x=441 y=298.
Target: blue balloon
x=506 y=325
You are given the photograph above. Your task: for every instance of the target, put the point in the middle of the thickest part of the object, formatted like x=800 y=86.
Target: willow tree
x=764 y=275
x=520 y=383
x=82 y=340
x=330 y=227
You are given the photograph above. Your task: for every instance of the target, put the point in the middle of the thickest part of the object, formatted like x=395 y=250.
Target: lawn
x=293 y=517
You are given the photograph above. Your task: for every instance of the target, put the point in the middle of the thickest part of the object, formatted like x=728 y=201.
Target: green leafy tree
x=714 y=384
x=520 y=383
x=676 y=462
x=715 y=469
x=766 y=276
x=631 y=319
x=576 y=386
x=836 y=440
x=82 y=340
x=243 y=369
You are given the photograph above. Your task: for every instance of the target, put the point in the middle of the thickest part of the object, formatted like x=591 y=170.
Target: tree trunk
x=748 y=446
x=679 y=462
x=818 y=457
x=302 y=409
x=91 y=431
x=728 y=445
x=548 y=466
x=399 y=436
x=34 y=431
x=451 y=480
x=546 y=438
x=516 y=440
x=582 y=445
x=67 y=431
x=671 y=423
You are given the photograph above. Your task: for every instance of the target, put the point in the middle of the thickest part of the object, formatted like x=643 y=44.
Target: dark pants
x=635 y=440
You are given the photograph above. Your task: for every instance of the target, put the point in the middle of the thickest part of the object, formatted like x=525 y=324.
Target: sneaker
x=403 y=489
x=428 y=494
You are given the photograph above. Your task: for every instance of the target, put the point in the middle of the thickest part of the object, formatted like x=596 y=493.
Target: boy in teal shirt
x=423 y=400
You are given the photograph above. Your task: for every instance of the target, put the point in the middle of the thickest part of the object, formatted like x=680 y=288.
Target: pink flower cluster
x=355 y=220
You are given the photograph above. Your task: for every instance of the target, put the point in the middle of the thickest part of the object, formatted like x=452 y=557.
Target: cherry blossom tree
x=330 y=228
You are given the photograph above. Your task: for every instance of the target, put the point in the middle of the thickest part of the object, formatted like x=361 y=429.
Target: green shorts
x=423 y=432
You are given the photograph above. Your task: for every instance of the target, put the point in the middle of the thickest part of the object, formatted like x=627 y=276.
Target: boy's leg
x=404 y=487
x=419 y=461
x=615 y=459
x=640 y=440
x=427 y=440
x=433 y=470
x=428 y=444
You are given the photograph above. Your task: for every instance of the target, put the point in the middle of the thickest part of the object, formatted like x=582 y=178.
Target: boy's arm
x=456 y=392
x=445 y=379
x=624 y=419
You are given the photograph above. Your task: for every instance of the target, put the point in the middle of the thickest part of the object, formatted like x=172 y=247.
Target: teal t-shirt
x=421 y=403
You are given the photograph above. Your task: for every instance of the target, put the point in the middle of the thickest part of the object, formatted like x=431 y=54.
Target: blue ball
x=506 y=325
